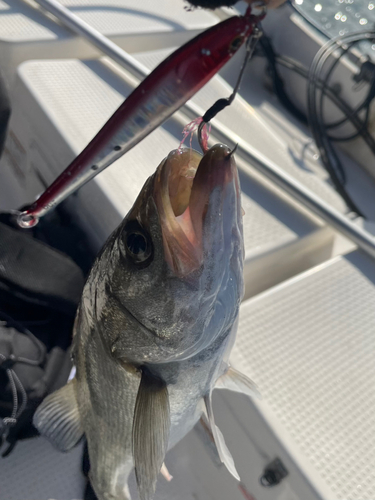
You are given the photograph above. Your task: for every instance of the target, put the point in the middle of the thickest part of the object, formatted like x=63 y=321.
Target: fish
x=155 y=326
x=168 y=87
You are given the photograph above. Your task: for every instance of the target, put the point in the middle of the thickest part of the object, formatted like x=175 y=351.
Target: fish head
x=174 y=278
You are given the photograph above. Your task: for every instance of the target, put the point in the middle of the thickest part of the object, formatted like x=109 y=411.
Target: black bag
x=40 y=288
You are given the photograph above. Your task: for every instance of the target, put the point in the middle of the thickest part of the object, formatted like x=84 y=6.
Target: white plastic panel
x=60 y=105
x=309 y=345
x=36 y=471
x=27 y=33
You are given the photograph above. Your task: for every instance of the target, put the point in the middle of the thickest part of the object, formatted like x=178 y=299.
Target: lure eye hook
x=27 y=220
x=203 y=136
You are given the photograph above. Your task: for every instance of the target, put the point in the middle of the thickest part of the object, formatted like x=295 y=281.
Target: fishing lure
x=160 y=94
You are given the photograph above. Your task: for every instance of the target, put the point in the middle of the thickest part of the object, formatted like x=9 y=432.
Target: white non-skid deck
x=309 y=344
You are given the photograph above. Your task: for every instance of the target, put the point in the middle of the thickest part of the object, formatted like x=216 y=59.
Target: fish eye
x=236 y=42
x=138 y=244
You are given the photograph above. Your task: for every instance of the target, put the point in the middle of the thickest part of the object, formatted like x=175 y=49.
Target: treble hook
x=222 y=103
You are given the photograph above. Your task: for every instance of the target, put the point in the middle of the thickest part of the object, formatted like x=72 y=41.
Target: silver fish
x=155 y=326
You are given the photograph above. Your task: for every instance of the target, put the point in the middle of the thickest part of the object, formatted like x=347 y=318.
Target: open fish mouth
x=183 y=187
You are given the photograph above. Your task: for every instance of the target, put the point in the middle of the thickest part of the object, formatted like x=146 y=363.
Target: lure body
x=160 y=94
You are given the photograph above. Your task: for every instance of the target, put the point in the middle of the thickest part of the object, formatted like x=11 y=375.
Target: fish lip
x=180 y=250
x=183 y=231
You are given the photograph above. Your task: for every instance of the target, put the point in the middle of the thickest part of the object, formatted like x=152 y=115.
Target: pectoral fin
x=222 y=449
x=151 y=426
x=57 y=418
x=236 y=381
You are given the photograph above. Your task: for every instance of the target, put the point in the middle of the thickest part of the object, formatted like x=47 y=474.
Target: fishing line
x=222 y=103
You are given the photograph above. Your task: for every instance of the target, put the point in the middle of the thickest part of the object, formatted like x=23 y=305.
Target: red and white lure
x=160 y=94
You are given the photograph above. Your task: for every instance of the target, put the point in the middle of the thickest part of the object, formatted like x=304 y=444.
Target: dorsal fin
x=151 y=425
x=57 y=418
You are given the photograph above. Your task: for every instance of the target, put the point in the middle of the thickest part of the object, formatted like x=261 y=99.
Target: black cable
x=350 y=114
x=328 y=49
x=328 y=156
x=277 y=81
x=355 y=134
x=318 y=127
x=322 y=95
x=365 y=103
x=327 y=153
x=335 y=163
x=338 y=123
